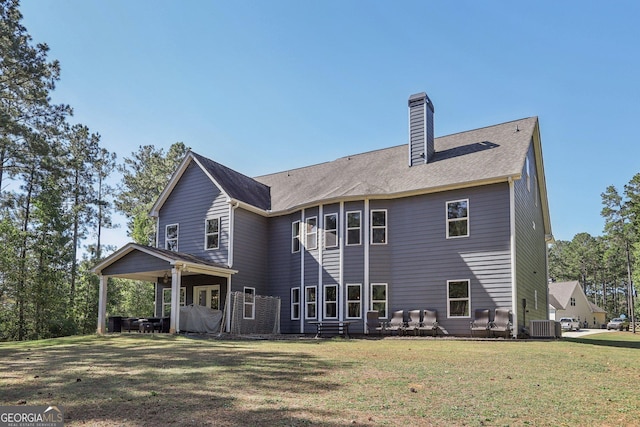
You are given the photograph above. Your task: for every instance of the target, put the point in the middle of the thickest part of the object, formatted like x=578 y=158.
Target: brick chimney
x=421 y=149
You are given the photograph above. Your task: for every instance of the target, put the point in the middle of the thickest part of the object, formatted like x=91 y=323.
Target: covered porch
x=176 y=271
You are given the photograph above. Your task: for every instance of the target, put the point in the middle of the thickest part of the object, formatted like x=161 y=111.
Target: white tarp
x=197 y=318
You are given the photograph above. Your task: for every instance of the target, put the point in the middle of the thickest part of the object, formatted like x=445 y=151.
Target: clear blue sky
x=265 y=86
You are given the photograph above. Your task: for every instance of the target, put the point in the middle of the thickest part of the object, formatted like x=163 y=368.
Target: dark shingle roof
x=237 y=185
x=466 y=158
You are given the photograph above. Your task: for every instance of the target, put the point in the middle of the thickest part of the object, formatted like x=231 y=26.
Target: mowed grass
x=161 y=380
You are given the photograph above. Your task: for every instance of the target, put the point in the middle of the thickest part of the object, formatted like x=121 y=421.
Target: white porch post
x=176 y=276
x=102 y=305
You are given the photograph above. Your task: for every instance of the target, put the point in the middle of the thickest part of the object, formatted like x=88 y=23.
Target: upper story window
x=312 y=233
x=331 y=230
x=458 y=218
x=295 y=236
x=212 y=233
x=171 y=237
x=458 y=298
x=353 y=227
x=573 y=302
x=379 y=227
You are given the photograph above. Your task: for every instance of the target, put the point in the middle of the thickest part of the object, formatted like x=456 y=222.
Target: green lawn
x=157 y=380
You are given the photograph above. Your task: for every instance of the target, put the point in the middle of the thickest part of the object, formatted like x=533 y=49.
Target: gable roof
x=560 y=294
x=477 y=157
x=186 y=261
x=236 y=185
x=233 y=184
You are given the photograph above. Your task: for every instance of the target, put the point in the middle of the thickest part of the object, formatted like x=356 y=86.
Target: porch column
x=176 y=276
x=102 y=305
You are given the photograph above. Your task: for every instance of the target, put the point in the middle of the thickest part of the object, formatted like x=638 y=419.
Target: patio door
x=208 y=296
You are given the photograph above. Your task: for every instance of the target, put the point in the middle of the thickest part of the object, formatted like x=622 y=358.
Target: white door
x=208 y=296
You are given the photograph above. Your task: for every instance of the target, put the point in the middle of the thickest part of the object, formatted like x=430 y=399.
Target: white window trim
x=166 y=240
x=183 y=301
x=347 y=228
x=446 y=217
x=306 y=311
x=325 y=301
x=295 y=303
x=312 y=233
x=386 y=297
x=458 y=299
x=294 y=237
x=330 y=229
x=385 y=227
x=206 y=235
x=359 y=285
x=245 y=303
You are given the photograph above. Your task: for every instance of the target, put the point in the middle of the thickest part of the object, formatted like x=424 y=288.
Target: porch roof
x=139 y=262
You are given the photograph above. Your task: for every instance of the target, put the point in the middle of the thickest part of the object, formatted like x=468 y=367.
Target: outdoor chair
x=501 y=322
x=373 y=322
x=396 y=323
x=481 y=322
x=429 y=322
x=414 y=322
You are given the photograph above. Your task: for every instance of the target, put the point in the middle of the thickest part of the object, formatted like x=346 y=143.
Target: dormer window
x=171 y=237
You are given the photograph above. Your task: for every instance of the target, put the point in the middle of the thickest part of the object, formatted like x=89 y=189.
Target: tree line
x=606 y=266
x=57 y=197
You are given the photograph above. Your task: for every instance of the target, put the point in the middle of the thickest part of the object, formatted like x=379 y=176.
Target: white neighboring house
x=567 y=299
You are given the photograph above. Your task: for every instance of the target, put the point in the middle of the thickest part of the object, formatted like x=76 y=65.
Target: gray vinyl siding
x=423 y=259
x=250 y=252
x=353 y=258
x=416 y=262
x=193 y=199
x=284 y=268
x=531 y=263
x=331 y=256
x=417 y=134
x=135 y=262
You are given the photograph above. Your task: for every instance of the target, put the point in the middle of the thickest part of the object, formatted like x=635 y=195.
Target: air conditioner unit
x=545 y=329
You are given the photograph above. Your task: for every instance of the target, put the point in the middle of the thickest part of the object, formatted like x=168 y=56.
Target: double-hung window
x=171 y=237
x=295 y=303
x=458 y=298
x=353 y=227
x=311 y=241
x=379 y=299
x=295 y=236
x=212 y=233
x=331 y=230
x=311 y=302
x=249 y=303
x=379 y=227
x=458 y=218
x=331 y=302
x=354 y=306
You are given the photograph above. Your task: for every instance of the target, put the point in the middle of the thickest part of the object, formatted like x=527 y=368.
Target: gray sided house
x=452 y=224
